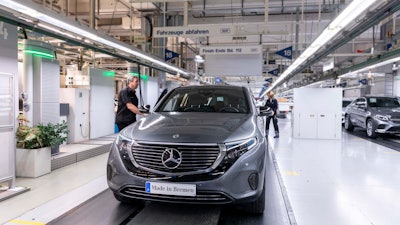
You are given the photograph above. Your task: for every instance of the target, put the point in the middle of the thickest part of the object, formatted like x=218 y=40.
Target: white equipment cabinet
x=78 y=118
x=317 y=113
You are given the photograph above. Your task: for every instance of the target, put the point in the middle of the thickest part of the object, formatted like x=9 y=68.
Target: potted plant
x=53 y=135
x=33 y=156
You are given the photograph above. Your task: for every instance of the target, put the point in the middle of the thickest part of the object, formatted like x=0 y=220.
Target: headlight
x=235 y=149
x=123 y=145
x=383 y=118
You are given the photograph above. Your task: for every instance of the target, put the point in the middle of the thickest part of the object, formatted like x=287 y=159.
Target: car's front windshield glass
x=384 y=102
x=221 y=100
x=345 y=103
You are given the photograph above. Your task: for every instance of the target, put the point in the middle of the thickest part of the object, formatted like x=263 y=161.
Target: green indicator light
x=142 y=76
x=40 y=54
x=109 y=73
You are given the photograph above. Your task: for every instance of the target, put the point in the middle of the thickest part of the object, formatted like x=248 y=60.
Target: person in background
x=128 y=104
x=273 y=104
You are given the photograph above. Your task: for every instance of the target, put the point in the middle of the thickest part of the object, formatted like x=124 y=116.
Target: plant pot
x=55 y=150
x=33 y=162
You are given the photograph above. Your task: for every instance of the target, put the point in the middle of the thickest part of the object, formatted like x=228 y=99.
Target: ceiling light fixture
x=376 y=65
x=49 y=17
x=350 y=13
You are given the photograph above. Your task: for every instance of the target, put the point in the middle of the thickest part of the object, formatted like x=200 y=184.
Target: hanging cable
x=143 y=108
x=24 y=32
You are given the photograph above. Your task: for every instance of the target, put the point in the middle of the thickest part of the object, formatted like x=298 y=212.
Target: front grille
x=394 y=129
x=139 y=192
x=194 y=157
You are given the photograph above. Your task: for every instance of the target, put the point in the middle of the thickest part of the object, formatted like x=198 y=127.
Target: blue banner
x=170 y=55
x=286 y=52
x=274 y=72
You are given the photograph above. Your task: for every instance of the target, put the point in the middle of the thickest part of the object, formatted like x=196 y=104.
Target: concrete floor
x=350 y=181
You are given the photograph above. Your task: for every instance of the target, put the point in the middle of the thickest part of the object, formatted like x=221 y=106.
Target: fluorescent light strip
x=371 y=67
x=39 y=53
x=352 y=11
x=65 y=26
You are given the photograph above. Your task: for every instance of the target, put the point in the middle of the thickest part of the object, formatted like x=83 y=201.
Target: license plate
x=171 y=189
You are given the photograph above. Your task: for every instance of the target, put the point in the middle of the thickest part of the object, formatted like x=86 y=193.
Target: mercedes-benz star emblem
x=171 y=158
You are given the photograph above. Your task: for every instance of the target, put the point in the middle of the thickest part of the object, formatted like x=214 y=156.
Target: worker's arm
x=134 y=109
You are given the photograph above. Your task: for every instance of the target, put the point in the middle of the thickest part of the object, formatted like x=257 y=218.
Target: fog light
x=253 y=181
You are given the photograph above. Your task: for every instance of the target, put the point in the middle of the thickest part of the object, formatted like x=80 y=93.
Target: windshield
x=345 y=103
x=220 y=100
x=384 y=102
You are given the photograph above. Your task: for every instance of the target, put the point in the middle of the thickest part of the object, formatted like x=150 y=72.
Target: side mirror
x=144 y=108
x=265 y=111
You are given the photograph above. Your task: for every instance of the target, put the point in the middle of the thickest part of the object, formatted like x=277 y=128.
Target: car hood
x=192 y=127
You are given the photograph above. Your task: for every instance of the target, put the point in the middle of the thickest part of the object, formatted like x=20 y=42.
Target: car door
x=350 y=111
x=360 y=112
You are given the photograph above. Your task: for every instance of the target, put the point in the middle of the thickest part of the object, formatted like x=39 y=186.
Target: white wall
x=101 y=115
x=150 y=91
x=396 y=90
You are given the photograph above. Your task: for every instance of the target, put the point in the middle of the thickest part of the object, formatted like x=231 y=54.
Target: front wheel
x=371 y=129
x=258 y=206
x=347 y=123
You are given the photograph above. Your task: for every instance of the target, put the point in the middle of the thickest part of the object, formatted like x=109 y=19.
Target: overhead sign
x=238 y=31
x=170 y=55
x=193 y=31
x=139 y=39
x=274 y=72
x=230 y=50
x=363 y=81
x=328 y=64
x=233 y=60
x=286 y=52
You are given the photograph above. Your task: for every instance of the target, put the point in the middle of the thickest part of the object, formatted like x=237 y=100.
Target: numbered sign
x=286 y=52
x=170 y=55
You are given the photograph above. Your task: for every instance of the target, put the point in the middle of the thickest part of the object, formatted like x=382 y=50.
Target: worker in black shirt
x=128 y=104
x=273 y=104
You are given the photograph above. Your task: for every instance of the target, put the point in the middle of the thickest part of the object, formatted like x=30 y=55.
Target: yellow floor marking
x=290 y=173
x=26 y=222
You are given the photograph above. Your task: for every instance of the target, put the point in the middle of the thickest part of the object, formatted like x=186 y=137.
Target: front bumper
x=387 y=127
x=231 y=187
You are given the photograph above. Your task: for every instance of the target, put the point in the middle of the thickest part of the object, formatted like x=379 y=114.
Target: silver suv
x=378 y=115
x=201 y=144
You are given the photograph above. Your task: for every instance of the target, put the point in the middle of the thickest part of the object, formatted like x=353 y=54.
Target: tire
x=347 y=123
x=256 y=207
x=371 y=129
